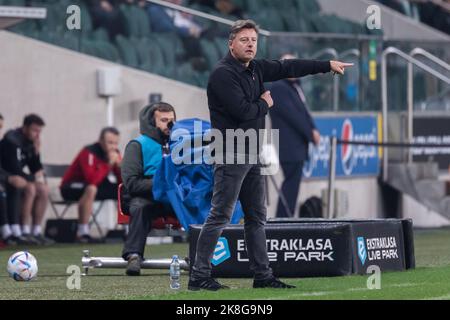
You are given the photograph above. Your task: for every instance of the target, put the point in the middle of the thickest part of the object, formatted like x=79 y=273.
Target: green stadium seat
x=130 y=21
x=150 y=56
x=269 y=19
x=107 y=51
x=18 y=3
x=210 y=51
x=143 y=21
x=170 y=45
x=100 y=34
x=308 y=6
x=186 y=73
x=222 y=46
x=127 y=51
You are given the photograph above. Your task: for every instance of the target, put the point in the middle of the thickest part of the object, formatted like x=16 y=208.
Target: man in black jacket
x=237 y=100
x=297 y=129
x=20 y=150
x=141 y=159
x=9 y=219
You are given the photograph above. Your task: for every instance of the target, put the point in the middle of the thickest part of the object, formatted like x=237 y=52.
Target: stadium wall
x=60 y=85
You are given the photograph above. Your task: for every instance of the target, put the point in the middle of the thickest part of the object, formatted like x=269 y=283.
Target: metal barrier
x=433 y=58
x=408 y=58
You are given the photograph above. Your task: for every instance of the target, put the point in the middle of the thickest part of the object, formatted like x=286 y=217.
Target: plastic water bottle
x=175 y=273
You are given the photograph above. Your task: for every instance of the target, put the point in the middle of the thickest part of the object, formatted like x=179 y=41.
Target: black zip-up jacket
x=234 y=91
x=17 y=153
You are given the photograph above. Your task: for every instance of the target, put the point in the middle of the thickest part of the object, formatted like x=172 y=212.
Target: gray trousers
x=233 y=182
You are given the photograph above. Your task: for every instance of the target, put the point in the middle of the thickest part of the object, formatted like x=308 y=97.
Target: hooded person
x=142 y=157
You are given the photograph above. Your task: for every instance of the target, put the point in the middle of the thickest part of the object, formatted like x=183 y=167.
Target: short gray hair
x=239 y=25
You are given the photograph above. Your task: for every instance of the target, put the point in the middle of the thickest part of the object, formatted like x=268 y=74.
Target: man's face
x=162 y=119
x=32 y=132
x=110 y=142
x=244 y=46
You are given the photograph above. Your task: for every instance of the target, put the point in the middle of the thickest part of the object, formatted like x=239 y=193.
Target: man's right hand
x=17 y=182
x=113 y=157
x=268 y=98
x=316 y=137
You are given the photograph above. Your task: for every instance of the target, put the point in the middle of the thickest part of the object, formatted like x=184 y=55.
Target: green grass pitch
x=430 y=280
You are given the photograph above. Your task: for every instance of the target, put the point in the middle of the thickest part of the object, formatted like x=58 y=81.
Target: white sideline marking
x=323 y=293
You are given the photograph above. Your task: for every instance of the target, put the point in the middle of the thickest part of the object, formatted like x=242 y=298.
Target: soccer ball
x=22 y=266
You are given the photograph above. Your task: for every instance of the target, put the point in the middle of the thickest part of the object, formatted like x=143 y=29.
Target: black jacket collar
x=238 y=66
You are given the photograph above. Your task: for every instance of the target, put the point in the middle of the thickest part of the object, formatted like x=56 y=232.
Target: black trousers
x=105 y=191
x=142 y=213
x=291 y=186
x=10 y=204
x=233 y=182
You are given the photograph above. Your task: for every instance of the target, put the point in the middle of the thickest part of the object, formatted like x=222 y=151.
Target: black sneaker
x=271 y=283
x=28 y=239
x=44 y=240
x=209 y=284
x=10 y=241
x=85 y=238
x=134 y=265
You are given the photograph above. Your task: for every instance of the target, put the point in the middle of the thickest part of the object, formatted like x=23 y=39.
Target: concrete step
x=417 y=170
x=431 y=189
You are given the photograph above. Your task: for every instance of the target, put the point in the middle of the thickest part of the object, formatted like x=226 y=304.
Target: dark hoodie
x=134 y=181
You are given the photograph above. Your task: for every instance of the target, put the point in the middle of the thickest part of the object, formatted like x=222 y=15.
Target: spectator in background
x=9 y=220
x=93 y=175
x=290 y=115
x=106 y=14
x=229 y=8
x=225 y=7
x=20 y=151
x=164 y=19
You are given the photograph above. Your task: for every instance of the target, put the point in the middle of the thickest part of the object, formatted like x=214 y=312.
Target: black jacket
x=4 y=175
x=234 y=91
x=17 y=153
x=132 y=168
x=291 y=117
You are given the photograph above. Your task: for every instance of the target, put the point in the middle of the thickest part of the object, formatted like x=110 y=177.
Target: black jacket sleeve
x=11 y=162
x=132 y=170
x=34 y=163
x=3 y=176
x=226 y=87
x=274 y=70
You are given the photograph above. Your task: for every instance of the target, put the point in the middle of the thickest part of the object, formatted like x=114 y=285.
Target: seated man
x=20 y=150
x=140 y=162
x=9 y=219
x=93 y=175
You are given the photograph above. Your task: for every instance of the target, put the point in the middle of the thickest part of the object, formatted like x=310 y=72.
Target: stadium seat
x=150 y=57
x=127 y=51
x=210 y=51
x=100 y=34
x=137 y=23
x=19 y=3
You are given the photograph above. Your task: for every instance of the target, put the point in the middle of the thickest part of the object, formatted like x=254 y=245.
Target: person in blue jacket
x=142 y=158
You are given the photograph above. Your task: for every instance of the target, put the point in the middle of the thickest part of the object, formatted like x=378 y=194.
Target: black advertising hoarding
x=434 y=130
x=306 y=250
x=378 y=243
x=318 y=247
